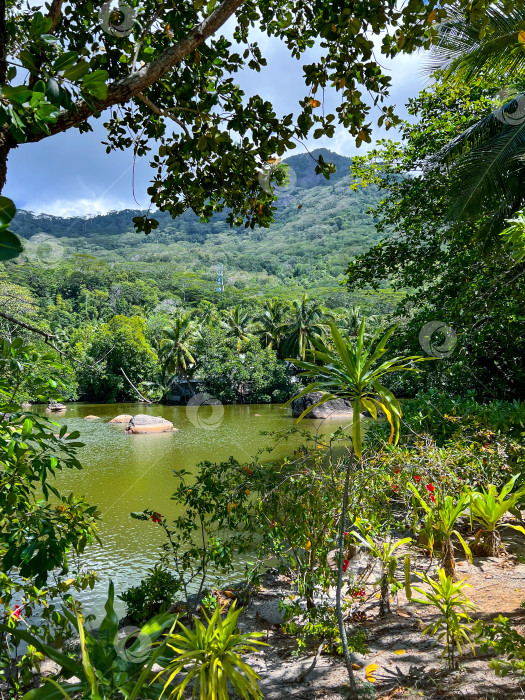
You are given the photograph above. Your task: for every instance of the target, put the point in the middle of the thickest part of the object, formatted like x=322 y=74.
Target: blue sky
x=71 y=174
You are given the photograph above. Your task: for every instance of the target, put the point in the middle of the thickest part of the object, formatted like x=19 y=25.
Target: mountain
x=320 y=225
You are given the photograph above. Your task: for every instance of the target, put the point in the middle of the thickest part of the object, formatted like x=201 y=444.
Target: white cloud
x=77 y=207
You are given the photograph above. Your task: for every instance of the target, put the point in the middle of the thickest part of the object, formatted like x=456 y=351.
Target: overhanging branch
x=130 y=86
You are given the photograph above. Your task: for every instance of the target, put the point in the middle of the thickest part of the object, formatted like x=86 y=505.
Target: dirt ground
x=408 y=663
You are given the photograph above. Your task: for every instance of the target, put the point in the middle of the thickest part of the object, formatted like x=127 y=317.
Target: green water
x=124 y=473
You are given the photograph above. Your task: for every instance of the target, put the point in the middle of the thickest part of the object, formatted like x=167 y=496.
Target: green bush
x=152 y=596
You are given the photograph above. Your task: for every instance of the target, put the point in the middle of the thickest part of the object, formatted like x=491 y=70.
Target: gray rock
x=338 y=408
x=143 y=423
x=269 y=611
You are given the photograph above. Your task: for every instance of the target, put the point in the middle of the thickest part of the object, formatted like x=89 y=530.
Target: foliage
x=118 y=345
x=107 y=667
x=385 y=553
x=507 y=643
x=254 y=374
x=446 y=265
x=488 y=507
x=454 y=623
x=352 y=371
x=211 y=655
x=154 y=595
x=41 y=529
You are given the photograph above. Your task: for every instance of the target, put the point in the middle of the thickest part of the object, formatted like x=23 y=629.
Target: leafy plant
x=442 y=519
x=385 y=553
x=454 y=623
x=349 y=369
x=506 y=642
x=107 y=668
x=152 y=596
x=211 y=656
x=488 y=507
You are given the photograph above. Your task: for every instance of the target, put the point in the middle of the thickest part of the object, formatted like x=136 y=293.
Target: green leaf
x=19 y=93
x=10 y=245
x=77 y=71
x=7 y=211
x=52 y=90
x=65 y=61
x=28 y=60
x=95 y=84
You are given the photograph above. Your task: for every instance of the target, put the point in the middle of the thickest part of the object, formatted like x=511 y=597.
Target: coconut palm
x=270 y=324
x=177 y=347
x=238 y=324
x=487 y=158
x=348 y=369
x=308 y=324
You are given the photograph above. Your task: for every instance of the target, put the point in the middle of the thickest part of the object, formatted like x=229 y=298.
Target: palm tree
x=352 y=371
x=270 y=324
x=237 y=323
x=308 y=324
x=208 y=313
x=177 y=346
x=487 y=159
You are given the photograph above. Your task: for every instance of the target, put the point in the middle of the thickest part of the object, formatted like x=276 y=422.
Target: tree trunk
x=338 y=603
x=5 y=147
x=447 y=559
x=492 y=542
x=384 y=599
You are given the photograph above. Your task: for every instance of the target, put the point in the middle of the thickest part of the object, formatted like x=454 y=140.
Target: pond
x=124 y=473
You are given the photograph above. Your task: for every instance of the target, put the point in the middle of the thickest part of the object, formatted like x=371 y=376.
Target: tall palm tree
x=177 y=347
x=354 y=370
x=307 y=325
x=487 y=173
x=238 y=324
x=270 y=324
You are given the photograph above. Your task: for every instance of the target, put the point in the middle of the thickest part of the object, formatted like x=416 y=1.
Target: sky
x=70 y=174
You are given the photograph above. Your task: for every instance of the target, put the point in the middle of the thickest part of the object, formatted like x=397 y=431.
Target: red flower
x=247 y=470
x=432 y=498
x=345 y=564
x=156 y=517
x=272 y=524
x=395 y=488
x=346 y=534
x=17 y=612
x=431 y=488
x=396 y=470
x=417 y=479
x=484 y=460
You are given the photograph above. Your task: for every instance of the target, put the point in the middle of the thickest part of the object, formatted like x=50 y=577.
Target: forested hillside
x=319 y=226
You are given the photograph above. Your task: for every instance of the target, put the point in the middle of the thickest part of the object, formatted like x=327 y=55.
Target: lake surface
x=124 y=473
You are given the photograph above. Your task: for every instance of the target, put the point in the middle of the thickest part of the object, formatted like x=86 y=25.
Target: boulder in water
x=143 y=423
x=124 y=418
x=338 y=408
x=55 y=407
x=91 y=417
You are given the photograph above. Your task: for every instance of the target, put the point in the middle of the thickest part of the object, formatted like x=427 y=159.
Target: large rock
x=143 y=423
x=124 y=418
x=91 y=417
x=55 y=407
x=338 y=408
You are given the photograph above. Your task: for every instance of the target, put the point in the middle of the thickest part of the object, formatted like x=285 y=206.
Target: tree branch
x=3 y=43
x=11 y=319
x=130 y=86
x=162 y=112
